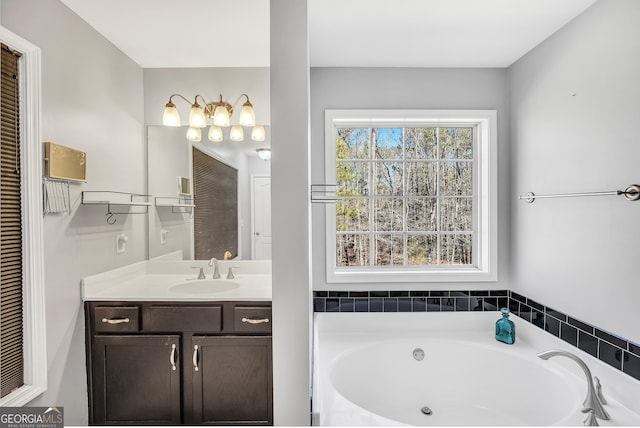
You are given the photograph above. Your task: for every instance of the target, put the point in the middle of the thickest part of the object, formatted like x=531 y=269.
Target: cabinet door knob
x=255 y=320
x=115 y=320
x=195 y=357
x=172 y=357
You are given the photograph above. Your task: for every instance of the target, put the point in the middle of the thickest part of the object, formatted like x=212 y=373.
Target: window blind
x=215 y=194
x=11 y=324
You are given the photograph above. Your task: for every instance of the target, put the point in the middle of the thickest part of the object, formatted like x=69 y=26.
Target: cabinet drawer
x=252 y=319
x=116 y=319
x=183 y=318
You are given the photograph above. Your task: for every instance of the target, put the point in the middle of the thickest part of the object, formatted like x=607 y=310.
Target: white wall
x=575 y=109
x=91 y=101
x=409 y=88
x=168 y=157
x=290 y=222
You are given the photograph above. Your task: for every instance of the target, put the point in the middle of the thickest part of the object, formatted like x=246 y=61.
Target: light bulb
x=194 y=134
x=215 y=134
x=221 y=116
x=171 y=117
x=257 y=133
x=236 y=133
x=247 y=115
x=196 y=117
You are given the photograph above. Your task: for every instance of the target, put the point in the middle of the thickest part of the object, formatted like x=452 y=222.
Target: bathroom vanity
x=160 y=357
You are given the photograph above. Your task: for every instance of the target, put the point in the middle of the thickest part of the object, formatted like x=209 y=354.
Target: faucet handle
x=599 y=390
x=230 y=273
x=201 y=273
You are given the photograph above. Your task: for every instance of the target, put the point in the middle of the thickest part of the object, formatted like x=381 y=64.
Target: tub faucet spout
x=216 y=272
x=592 y=403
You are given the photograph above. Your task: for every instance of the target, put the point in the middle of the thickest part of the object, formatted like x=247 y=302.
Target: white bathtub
x=365 y=373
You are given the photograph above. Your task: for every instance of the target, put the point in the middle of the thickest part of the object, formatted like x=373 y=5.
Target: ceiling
x=342 y=33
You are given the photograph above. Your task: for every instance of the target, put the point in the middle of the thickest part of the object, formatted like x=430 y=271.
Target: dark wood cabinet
x=232 y=383
x=136 y=379
x=157 y=363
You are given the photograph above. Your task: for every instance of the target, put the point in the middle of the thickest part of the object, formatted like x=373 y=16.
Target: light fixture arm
x=238 y=100
x=178 y=95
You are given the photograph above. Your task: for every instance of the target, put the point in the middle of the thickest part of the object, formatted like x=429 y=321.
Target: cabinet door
x=136 y=380
x=232 y=380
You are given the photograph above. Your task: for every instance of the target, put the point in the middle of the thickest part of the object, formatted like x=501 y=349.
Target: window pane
x=388 y=143
x=422 y=250
x=420 y=143
x=456 y=214
x=352 y=178
x=388 y=176
x=456 y=143
x=352 y=250
x=352 y=215
x=388 y=215
x=456 y=178
x=352 y=143
x=421 y=178
x=421 y=214
x=455 y=249
x=389 y=250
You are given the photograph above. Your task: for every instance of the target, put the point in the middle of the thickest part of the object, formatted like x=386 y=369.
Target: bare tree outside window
x=405 y=196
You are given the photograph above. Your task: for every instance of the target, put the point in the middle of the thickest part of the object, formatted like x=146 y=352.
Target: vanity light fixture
x=194 y=134
x=236 y=133
x=220 y=112
x=215 y=134
x=258 y=133
x=264 y=153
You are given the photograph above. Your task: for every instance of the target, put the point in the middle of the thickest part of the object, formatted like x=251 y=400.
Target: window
x=23 y=345
x=415 y=195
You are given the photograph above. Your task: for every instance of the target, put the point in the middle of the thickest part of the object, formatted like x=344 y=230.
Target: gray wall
x=408 y=88
x=575 y=109
x=91 y=101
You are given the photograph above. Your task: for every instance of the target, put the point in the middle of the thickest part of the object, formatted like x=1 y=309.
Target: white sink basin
x=203 y=286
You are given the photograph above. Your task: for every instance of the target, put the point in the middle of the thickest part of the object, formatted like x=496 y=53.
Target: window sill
x=404 y=275
x=22 y=396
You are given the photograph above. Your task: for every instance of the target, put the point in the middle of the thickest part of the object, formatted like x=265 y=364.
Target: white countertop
x=172 y=280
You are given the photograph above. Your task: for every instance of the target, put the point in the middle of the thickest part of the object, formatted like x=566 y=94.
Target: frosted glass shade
x=247 y=115
x=264 y=154
x=221 y=116
x=215 y=134
x=236 y=133
x=194 y=134
x=258 y=133
x=196 y=117
x=171 y=117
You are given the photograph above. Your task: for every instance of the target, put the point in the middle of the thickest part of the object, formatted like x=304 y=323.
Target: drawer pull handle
x=115 y=320
x=255 y=320
x=195 y=357
x=172 y=357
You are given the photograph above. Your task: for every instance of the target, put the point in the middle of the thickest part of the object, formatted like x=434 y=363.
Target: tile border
x=612 y=349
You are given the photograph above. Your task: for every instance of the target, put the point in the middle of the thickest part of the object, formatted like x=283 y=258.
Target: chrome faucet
x=593 y=405
x=216 y=272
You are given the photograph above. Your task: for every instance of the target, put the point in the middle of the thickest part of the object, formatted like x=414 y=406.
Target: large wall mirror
x=212 y=199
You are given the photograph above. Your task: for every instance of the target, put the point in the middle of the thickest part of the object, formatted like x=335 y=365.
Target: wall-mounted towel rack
x=324 y=193
x=631 y=193
x=111 y=199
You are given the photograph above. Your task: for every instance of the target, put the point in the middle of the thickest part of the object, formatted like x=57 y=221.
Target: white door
x=261 y=224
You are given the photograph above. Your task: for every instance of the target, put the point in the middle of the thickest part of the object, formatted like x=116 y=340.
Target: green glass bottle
x=505 y=328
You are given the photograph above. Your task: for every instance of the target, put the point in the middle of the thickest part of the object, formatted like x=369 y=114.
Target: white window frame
x=34 y=333
x=485 y=201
